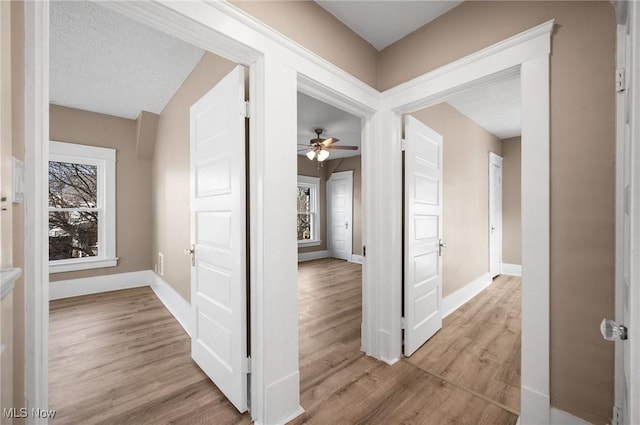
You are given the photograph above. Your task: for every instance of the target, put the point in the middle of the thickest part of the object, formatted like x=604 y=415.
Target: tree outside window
x=73 y=210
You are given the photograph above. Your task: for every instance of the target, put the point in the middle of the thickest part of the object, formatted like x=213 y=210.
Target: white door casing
x=340 y=214
x=422 y=234
x=627 y=379
x=495 y=214
x=218 y=231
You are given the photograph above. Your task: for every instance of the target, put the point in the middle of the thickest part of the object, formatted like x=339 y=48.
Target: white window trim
x=314 y=184
x=105 y=160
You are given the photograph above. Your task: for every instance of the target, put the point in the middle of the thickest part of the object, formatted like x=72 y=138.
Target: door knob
x=611 y=331
x=346 y=224
x=191 y=251
x=493 y=228
x=440 y=246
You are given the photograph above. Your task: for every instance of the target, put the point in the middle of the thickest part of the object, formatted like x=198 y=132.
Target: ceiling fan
x=318 y=148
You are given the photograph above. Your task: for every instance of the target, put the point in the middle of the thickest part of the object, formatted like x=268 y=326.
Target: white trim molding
x=355 y=258
x=512 y=269
x=98 y=284
x=104 y=160
x=454 y=301
x=313 y=255
x=178 y=306
x=560 y=417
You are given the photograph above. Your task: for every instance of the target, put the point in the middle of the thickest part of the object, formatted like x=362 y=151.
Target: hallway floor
x=121 y=358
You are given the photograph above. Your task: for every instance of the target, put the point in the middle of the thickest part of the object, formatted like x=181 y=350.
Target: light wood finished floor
x=468 y=373
x=121 y=358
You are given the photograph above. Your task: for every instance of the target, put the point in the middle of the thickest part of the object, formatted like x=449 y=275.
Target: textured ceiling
x=104 y=62
x=494 y=106
x=335 y=122
x=382 y=23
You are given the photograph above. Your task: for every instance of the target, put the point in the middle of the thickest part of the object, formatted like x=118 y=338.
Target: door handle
x=493 y=228
x=611 y=331
x=346 y=224
x=192 y=252
x=440 y=246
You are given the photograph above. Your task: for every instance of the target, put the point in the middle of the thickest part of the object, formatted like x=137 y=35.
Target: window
x=308 y=211
x=82 y=200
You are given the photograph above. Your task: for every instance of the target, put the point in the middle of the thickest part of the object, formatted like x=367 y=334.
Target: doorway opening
x=462 y=291
x=329 y=233
x=125 y=322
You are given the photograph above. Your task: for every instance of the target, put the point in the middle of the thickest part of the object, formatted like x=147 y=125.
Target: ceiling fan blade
x=329 y=141
x=305 y=149
x=345 y=148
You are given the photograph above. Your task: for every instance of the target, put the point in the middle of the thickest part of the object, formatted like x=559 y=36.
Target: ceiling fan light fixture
x=322 y=155
x=311 y=154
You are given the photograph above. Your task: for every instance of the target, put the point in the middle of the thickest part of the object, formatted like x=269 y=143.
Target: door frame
x=340 y=175
x=628 y=31
x=495 y=159
x=526 y=53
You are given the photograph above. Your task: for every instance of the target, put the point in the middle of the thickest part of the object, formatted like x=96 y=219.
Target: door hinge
x=403 y=144
x=248 y=365
x=364 y=250
x=246 y=107
x=620 y=80
x=403 y=323
x=617 y=416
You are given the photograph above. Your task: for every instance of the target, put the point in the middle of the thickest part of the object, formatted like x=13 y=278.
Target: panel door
x=218 y=275
x=495 y=214
x=339 y=209
x=422 y=234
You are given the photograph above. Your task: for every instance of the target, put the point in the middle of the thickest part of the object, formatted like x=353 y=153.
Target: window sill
x=60 y=267
x=309 y=243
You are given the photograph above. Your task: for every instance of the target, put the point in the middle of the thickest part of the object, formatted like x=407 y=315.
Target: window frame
x=105 y=161
x=314 y=209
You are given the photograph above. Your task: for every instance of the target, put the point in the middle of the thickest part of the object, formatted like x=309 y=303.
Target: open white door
x=422 y=234
x=339 y=211
x=624 y=331
x=495 y=214
x=218 y=276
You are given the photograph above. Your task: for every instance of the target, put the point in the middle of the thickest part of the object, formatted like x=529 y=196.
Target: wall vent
x=160 y=265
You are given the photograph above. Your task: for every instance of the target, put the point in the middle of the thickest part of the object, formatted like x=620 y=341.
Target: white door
x=218 y=276
x=495 y=214
x=339 y=212
x=627 y=347
x=422 y=234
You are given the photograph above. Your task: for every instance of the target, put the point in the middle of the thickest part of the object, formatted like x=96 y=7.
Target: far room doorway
x=462 y=238
x=329 y=233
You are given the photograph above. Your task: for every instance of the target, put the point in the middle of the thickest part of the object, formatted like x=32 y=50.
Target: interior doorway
x=329 y=229
x=457 y=155
x=141 y=138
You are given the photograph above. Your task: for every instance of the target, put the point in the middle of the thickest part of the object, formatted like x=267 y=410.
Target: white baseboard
x=355 y=258
x=452 y=302
x=282 y=408
x=314 y=255
x=173 y=301
x=512 y=269
x=534 y=407
x=94 y=285
x=560 y=417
